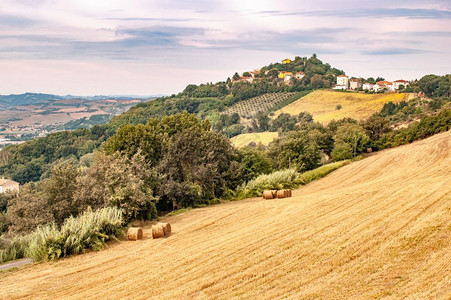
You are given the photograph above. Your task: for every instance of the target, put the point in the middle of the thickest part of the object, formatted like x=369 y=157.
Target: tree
x=305 y=117
x=375 y=127
x=236 y=76
x=284 y=122
x=296 y=150
x=263 y=121
x=350 y=140
x=59 y=189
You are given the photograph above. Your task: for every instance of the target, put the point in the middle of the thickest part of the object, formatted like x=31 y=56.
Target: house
x=286 y=61
x=8 y=185
x=400 y=82
x=380 y=85
x=343 y=81
x=286 y=76
x=254 y=73
x=355 y=83
x=367 y=86
x=247 y=79
x=299 y=75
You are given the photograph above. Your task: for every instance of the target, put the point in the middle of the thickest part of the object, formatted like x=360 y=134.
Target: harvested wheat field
x=376 y=228
x=323 y=105
x=244 y=139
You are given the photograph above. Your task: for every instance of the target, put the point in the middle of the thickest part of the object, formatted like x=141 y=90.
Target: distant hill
x=27 y=98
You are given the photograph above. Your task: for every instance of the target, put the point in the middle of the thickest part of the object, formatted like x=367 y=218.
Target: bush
x=91 y=230
x=287 y=178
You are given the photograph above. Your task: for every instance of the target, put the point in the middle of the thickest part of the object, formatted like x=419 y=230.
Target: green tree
x=350 y=140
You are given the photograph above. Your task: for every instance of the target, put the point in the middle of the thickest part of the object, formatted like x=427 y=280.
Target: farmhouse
x=367 y=86
x=355 y=83
x=342 y=80
x=8 y=185
x=380 y=85
x=400 y=82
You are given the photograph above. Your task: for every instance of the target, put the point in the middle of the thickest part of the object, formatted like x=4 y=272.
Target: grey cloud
x=369 y=13
x=394 y=51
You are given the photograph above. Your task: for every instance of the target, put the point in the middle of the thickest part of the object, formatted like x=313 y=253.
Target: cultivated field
x=323 y=105
x=245 y=139
x=249 y=108
x=379 y=227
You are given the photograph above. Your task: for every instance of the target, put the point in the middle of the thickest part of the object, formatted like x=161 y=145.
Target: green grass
x=90 y=230
x=322 y=171
x=179 y=211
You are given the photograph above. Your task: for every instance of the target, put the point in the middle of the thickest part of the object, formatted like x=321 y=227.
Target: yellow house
x=281 y=74
x=286 y=61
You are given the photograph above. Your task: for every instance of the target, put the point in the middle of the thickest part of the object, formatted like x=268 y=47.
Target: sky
x=146 y=47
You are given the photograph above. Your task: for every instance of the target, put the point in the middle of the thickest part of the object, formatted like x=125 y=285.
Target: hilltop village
x=343 y=82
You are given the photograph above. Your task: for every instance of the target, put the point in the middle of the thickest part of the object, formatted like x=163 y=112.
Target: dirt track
x=380 y=227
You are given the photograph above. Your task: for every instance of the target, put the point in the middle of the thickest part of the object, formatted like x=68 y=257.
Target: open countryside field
x=322 y=105
x=245 y=139
x=379 y=227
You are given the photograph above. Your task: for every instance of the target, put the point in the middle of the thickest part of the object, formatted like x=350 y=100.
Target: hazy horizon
x=139 y=47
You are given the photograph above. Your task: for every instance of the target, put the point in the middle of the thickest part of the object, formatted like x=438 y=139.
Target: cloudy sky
x=145 y=47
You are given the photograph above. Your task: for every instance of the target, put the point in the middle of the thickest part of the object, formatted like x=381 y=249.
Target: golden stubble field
x=322 y=104
x=379 y=227
x=245 y=139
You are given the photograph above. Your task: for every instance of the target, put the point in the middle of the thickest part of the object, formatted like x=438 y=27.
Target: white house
x=355 y=83
x=367 y=86
x=397 y=83
x=342 y=80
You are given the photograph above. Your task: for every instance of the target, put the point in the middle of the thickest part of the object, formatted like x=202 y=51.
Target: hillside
x=244 y=139
x=322 y=104
x=379 y=227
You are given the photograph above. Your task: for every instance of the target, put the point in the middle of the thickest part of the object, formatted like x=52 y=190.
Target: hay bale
x=157 y=231
x=369 y=150
x=289 y=193
x=281 y=194
x=267 y=195
x=134 y=233
x=166 y=228
x=274 y=193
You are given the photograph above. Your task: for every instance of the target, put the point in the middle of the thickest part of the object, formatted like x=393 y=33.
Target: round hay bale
x=369 y=150
x=166 y=228
x=157 y=231
x=274 y=193
x=289 y=193
x=281 y=194
x=134 y=233
x=267 y=195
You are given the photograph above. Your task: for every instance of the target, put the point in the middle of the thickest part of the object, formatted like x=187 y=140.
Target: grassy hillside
x=322 y=105
x=245 y=139
x=379 y=227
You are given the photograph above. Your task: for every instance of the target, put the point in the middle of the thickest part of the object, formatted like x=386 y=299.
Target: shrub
x=287 y=178
x=90 y=230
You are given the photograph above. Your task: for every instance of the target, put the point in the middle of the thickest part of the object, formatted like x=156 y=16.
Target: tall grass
x=287 y=178
x=322 y=171
x=91 y=230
